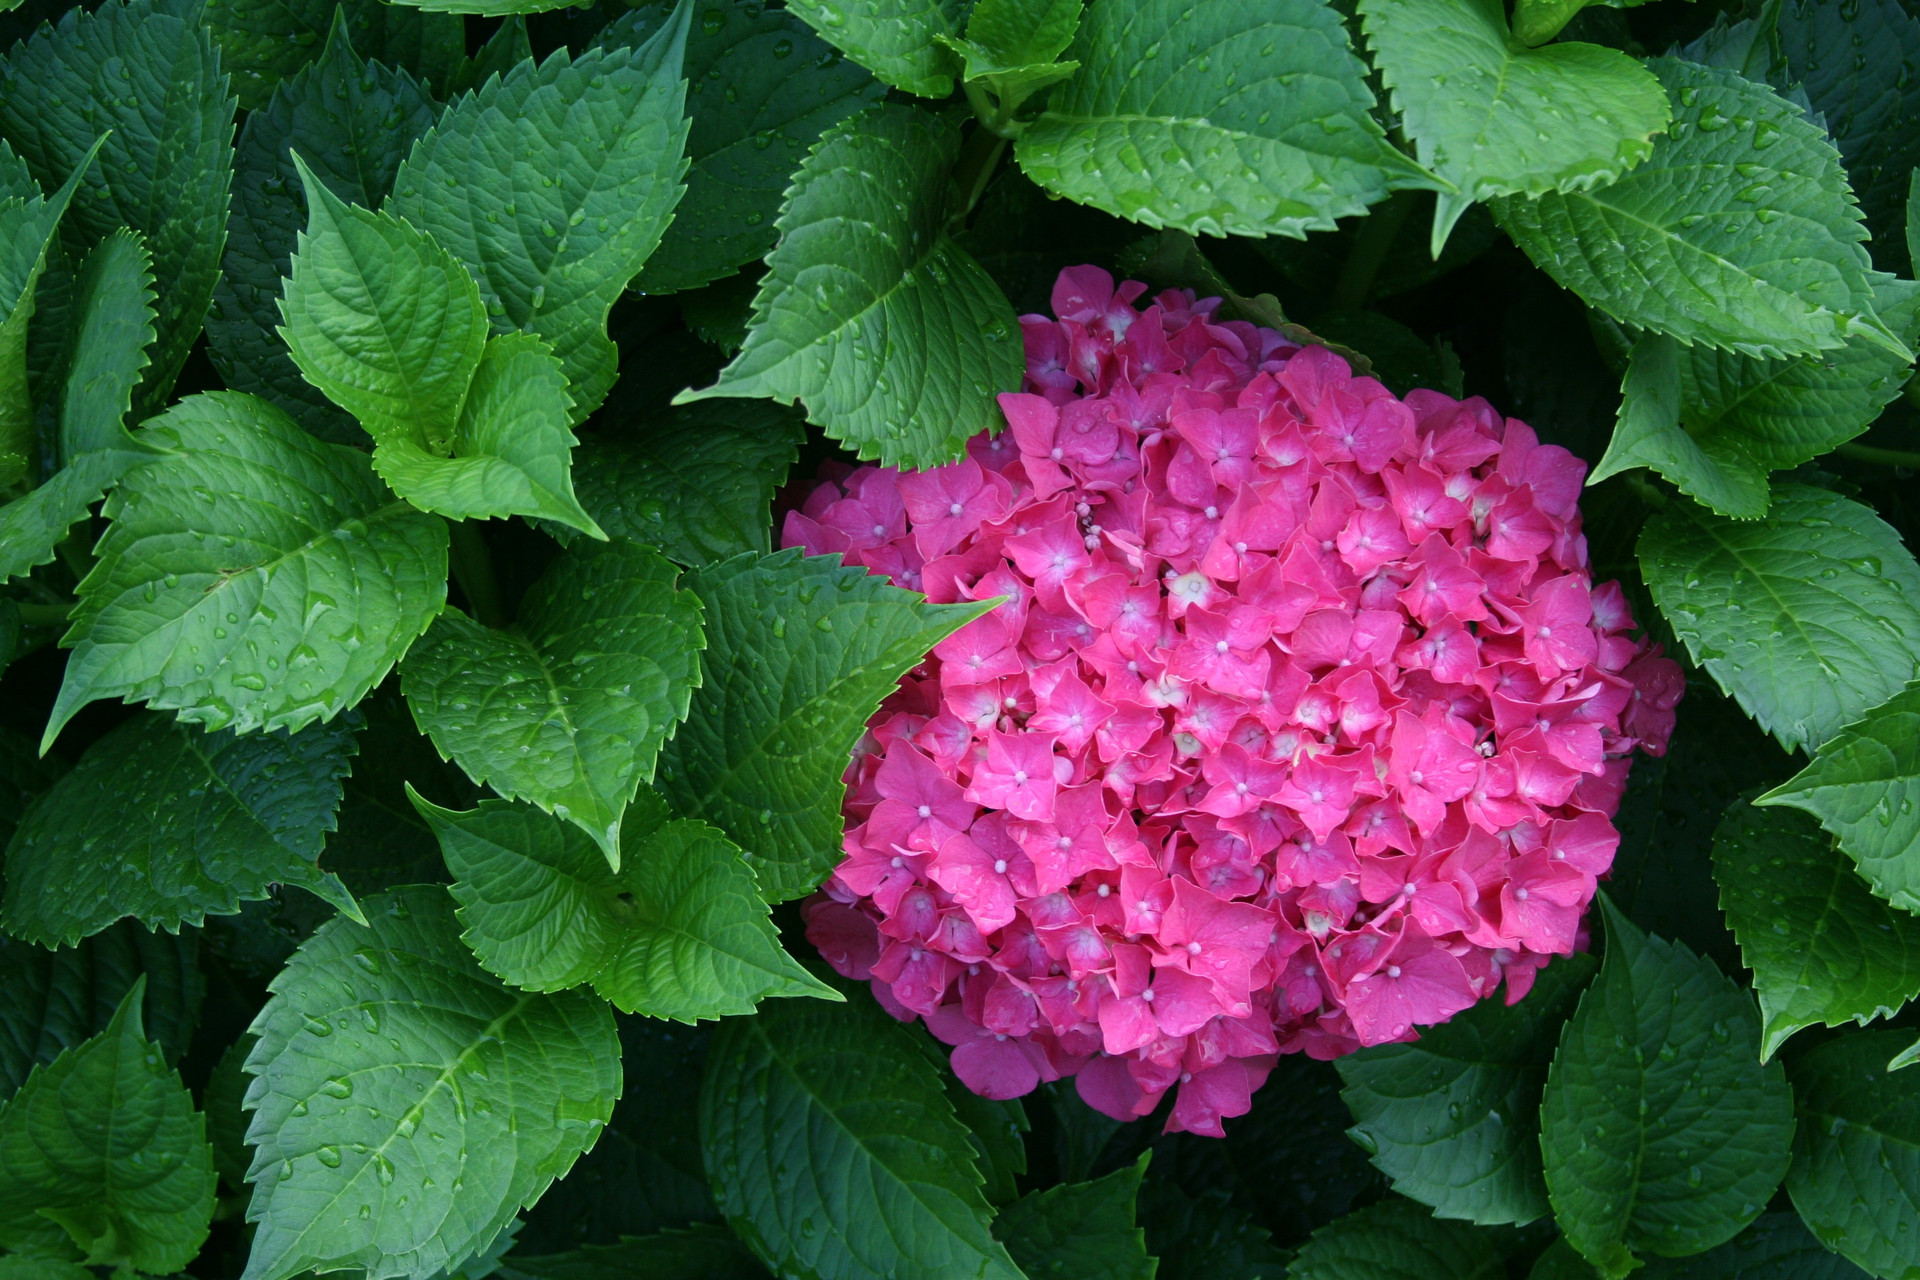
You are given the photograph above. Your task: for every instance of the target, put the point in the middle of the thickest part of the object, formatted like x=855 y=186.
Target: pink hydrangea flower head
x=1300 y=723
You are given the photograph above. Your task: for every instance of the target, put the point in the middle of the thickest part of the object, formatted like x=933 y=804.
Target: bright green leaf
x=897 y=40
x=50 y=1001
x=265 y=42
x=1398 y=1240
x=800 y=651
x=702 y=1252
x=1822 y=948
x=168 y=824
x=1080 y=1230
x=1662 y=1133
x=114 y=306
x=393 y=1071
x=1453 y=1117
x=1864 y=787
x=568 y=710
x=553 y=186
x=896 y=340
x=835 y=1155
x=762 y=88
x=1856 y=1156
x=1495 y=118
x=147 y=75
x=1229 y=118
x=679 y=931
x=353 y=121
x=1648 y=433
x=256 y=578
x=1011 y=47
x=1739 y=231
x=1805 y=617
x=697 y=482
x=103 y=1158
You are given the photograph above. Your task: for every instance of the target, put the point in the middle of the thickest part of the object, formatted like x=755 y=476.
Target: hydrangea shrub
x=694 y=638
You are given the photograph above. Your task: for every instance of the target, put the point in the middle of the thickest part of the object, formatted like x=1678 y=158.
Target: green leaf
x=568 y=710
x=1205 y=1236
x=1662 y=1133
x=1495 y=118
x=1822 y=948
x=553 y=186
x=256 y=578
x=1863 y=785
x=897 y=40
x=1739 y=231
x=761 y=89
x=196 y=823
x=393 y=1071
x=703 y=1252
x=1011 y=47
x=114 y=306
x=1453 y=1117
x=1080 y=1230
x=893 y=336
x=353 y=121
x=1398 y=1240
x=835 y=1155
x=50 y=1001
x=996 y=1127
x=504 y=50
x=146 y=74
x=697 y=482
x=486 y=8
x=1868 y=103
x=1230 y=118
x=679 y=931
x=265 y=42
x=1856 y=1156
x=1648 y=433
x=800 y=651
x=1777 y=1246
x=103 y=1158
x=221 y=1102
x=1805 y=617
x=1913 y=217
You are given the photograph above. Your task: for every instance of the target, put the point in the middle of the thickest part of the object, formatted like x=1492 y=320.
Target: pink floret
x=1300 y=724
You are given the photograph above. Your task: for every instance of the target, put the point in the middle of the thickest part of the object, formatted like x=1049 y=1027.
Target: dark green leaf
x=697 y=482
x=1738 y=232
x=997 y=1129
x=1398 y=1240
x=353 y=121
x=761 y=88
x=221 y=1102
x=834 y=1152
x=1805 y=617
x=1230 y=118
x=1822 y=948
x=392 y=1071
x=264 y=42
x=679 y=931
x=694 y=1253
x=1080 y=1230
x=800 y=651
x=569 y=709
x=103 y=1158
x=1661 y=1131
x=895 y=338
x=897 y=40
x=1495 y=118
x=504 y=50
x=1856 y=1157
x=1777 y=1246
x=167 y=824
x=1453 y=1118
x=220 y=584
x=146 y=74
x=553 y=186
x=29 y=225
x=1863 y=786
x=1205 y=1236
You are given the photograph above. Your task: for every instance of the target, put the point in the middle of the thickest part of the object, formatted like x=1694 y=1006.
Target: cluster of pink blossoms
x=1300 y=725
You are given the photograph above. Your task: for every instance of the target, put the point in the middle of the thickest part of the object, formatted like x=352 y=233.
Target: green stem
x=1370 y=249
x=1886 y=457
x=979 y=157
x=473 y=570
x=42 y=615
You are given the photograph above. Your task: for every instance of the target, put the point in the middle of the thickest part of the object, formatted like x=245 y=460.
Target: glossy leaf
x=800 y=650
x=897 y=40
x=1649 y=434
